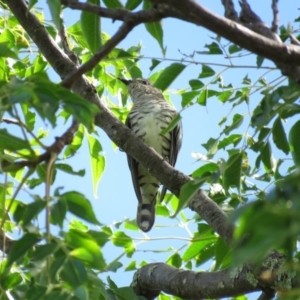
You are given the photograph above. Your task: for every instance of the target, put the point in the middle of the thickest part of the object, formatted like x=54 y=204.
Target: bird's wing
x=176 y=141
x=133 y=166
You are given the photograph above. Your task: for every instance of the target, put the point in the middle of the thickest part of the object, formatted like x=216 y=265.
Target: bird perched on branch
x=149 y=116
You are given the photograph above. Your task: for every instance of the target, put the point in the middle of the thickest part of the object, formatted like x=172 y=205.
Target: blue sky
x=116 y=198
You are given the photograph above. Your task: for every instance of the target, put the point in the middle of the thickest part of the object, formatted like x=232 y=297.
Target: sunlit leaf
x=55 y=10
x=91 y=28
x=232 y=174
x=12 y=143
x=294 y=138
x=74 y=272
x=279 y=136
x=21 y=246
x=168 y=75
x=132 y=4
x=80 y=206
x=206 y=71
x=97 y=161
x=154 y=28
x=113 y=3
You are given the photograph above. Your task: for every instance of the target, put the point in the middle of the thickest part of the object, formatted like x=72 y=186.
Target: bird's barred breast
x=149 y=125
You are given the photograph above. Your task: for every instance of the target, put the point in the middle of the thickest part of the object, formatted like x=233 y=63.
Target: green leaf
x=11 y=281
x=237 y=121
x=289 y=110
x=279 y=136
x=5 y=51
x=294 y=140
x=126 y=293
x=187 y=97
x=81 y=293
x=196 y=84
x=58 y=213
x=112 y=3
x=175 y=260
x=187 y=191
x=29 y=116
x=32 y=210
x=68 y=169
x=205 y=94
x=155 y=62
x=131 y=266
x=91 y=28
x=211 y=146
x=168 y=75
x=100 y=237
x=213 y=49
x=232 y=139
x=80 y=206
x=55 y=10
x=31 y=3
x=12 y=143
x=21 y=246
x=232 y=173
x=266 y=157
x=74 y=272
x=206 y=169
x=172 y=125
x=154 y=28
x=206 y=71
x=234 y=48
x=76 y=143
x=43 y=251
x=120 y=239
x=259 y=60
x=97 y=161
x=222 y=252
x=85 y=248
x=201 y=242
x=224 y=96
x=132 y=4
x=114 y=266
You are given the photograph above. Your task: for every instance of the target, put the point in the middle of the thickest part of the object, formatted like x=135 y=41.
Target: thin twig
x=247 y=14
x=230 y=11
x=21 y=124
x=294 y=41
x=56 y=147
x=275 y=21
x=98 y=56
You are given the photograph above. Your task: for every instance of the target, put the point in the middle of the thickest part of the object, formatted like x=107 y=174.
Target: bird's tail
x=146 y=214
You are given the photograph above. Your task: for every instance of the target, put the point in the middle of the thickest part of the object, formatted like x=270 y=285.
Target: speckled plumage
x=150 y=114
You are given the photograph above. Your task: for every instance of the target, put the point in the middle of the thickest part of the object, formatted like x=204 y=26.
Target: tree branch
x=275 y=11
x=193 y=12
x=153 y=278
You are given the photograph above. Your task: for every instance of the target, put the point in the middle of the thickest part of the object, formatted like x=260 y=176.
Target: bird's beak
x=125 y=81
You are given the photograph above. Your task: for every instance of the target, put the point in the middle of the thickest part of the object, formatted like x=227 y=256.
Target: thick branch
x=193 y=12
x=158 y=277
x=151 y=279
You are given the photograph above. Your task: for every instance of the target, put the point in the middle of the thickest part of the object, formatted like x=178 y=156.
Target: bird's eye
x=145 y=82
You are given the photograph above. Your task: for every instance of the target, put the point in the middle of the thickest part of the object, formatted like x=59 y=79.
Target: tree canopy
x=239 y=207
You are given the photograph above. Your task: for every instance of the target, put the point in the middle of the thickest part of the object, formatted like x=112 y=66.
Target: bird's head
x=140 y=87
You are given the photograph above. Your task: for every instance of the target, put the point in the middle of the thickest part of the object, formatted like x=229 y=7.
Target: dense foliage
x=58 y=252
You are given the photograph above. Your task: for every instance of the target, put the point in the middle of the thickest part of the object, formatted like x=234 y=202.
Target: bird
x=150 y=114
